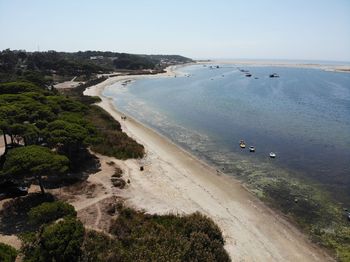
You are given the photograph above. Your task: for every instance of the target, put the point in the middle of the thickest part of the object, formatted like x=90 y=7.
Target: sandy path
x=2 y=143
x=176 y=182
x=67 y=84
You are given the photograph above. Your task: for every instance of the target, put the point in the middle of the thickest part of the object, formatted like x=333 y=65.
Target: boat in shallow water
x=252 y=149
x=272 y=155
x=242 y=144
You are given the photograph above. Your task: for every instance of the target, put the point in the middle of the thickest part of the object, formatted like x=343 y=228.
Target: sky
x=200 y=29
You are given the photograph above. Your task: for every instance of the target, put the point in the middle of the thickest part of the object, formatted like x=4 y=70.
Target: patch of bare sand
x=11 y=240
x=67 y=84
x=176 y=182
x=94 y=198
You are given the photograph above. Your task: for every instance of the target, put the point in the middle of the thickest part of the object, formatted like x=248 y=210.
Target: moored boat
x=252 y=149
x=242 y=144
x=272 y=155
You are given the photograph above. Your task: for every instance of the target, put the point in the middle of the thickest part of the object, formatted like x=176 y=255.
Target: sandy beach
x=176 y=182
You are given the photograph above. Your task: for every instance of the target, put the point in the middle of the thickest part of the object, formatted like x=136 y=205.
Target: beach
x=174 y=181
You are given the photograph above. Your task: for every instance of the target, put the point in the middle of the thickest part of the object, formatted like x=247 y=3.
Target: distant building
x=96 y=57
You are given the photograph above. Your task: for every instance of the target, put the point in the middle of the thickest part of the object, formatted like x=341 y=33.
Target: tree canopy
x=59 y=241
x=34 y=162
x=50 y=211
x=7 y=253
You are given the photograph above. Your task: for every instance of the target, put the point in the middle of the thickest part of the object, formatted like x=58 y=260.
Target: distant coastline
x=333 y=67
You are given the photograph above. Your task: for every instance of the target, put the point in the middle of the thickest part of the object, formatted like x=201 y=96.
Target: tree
x=50 y=211
x=68 y=137
x=34 y=162
x=7 y=253
x=59 y=241
x=18 y=87
x=28 y=132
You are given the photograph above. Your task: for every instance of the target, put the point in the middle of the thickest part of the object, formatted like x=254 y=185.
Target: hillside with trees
x=48 y=137
x=44 y=67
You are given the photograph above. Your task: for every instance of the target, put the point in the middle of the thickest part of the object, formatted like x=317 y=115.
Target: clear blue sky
x=254 y=29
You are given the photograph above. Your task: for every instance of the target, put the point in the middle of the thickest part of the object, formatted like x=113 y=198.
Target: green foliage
x=61 y=104
x=34 y=160
x=7 y=253
x=77 y=92
x=98 y=247
x=102 y=119
x=18 y=87
x=39 y=67
x=110 y=140
x=50 y=211
x=28 y=132
x=29 y=107
x=66 y=133
x=133 y=62
x=141 y=237
x=59 y=241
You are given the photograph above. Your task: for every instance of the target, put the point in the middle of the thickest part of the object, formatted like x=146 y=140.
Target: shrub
x=60 y=241
x=117 y=172
x=48 y=212
x=98 y=247
x=7 y=253
x=167 y=238
x=118 y=182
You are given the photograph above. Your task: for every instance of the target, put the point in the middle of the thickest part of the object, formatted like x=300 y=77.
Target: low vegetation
x=133 y=236
x=142 y=237
x=7 y=253
x=111 y=140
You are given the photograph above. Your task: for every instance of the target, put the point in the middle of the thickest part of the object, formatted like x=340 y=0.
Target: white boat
x=272 y=154
x=252 y=149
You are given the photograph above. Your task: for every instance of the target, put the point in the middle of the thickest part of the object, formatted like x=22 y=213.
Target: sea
x=303 y=116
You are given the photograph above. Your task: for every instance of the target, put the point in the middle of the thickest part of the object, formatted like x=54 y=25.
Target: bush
x=111 y=140
x=60 y=241
x=48 y=212
x=167 y=238
x=98 y=247
x=18 y=87
x=118 y=172
x=7 y=253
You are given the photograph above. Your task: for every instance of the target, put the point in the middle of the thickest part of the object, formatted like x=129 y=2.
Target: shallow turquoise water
x=303 y=116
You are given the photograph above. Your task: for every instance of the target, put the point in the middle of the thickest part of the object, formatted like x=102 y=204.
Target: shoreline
x=252 y=231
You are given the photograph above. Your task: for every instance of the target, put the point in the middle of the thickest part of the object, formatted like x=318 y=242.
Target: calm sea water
x=303 y=116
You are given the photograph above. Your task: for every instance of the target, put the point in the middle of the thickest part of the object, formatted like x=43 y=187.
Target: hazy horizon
x=261 y=30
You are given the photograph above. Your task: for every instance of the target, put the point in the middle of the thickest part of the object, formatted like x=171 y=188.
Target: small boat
x=242 y=144
x=274 y=75
x=251 y=149
x=248 y=75
x=272 y=155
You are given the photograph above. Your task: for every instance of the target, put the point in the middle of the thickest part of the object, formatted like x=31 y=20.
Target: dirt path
x=99 y=215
